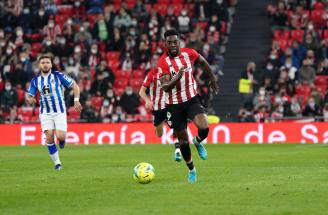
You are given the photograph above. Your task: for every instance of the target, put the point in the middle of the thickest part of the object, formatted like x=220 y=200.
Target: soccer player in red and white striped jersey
x=156 y=103
x=183 y=102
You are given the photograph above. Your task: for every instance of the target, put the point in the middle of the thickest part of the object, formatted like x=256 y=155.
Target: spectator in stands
x=245 y=115
x=280 y=18
x=88 y=113
x=299 y=18
x=202 y=10
x=9 y=59
x=311 y=109
x=323 y=67
x=325 y=113
x=122 y=20
x=92 y=57
x=310 y=42
x=9 y=98
x=261 y=99
x=52 y=30
x=118 y=115
x=154 y=23
x=323 y=50
x=127 y=63
x=289 y=59
x=194 y=42
x=62 y=48
x=129 y=101
x=83 y=36
x=262 y=114
x=26 y=64
x=306 y=73
x=184 y=22
x=100 y=31
x=106 y=111
x=299 y=52
x=39 y=20
x=295 y=107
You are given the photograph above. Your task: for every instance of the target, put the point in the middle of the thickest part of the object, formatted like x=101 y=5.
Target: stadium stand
x=293 y=84
x=106 y=46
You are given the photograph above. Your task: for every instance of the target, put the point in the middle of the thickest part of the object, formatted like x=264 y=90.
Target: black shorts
x=178 y=114
x=159 y=116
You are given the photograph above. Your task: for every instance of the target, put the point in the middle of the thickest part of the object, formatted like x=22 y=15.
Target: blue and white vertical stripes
x=52 y=148
x=51 y=91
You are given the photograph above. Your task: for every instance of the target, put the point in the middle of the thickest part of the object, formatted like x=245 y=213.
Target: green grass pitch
x=237 y=179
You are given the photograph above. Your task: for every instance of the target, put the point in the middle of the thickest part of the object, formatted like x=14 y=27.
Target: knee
x=203 y=133
x=50 y=138
x=61 y=137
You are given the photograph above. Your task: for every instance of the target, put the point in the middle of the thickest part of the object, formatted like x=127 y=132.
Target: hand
x=181 y=71
x=78 y=106
x=31 y=100
x=214 y=86
x=149 y=104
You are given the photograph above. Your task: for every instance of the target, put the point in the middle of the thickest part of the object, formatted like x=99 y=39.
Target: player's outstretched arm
x=207 y=69
x=76 y=92
x=143 y=95
x=168 y=83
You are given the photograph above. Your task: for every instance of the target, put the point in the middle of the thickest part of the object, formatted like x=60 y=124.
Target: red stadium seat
x=297 y=35
x=177 y=9
x=317 y=17
x=163 y=1
x=321 y=80
x=73 y=115
x=113 y=55
x=118 y=91
x=20 y=95
x=97 y=101
x=136 y=83
x=281 y=35
x=122 y=74
x=325 y=34
x=138 y=74
x=121 y=83
x=304 y=90
x=65 y=10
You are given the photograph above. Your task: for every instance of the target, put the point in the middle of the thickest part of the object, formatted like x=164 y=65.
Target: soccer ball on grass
x=144 y=173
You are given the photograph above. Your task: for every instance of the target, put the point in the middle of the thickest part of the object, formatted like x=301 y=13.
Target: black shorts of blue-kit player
x=178 y=114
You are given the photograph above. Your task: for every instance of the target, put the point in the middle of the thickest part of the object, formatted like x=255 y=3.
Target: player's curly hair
x=171 y=32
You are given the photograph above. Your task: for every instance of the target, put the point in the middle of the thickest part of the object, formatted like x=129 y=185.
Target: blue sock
x=53 y=153
x=52 y=148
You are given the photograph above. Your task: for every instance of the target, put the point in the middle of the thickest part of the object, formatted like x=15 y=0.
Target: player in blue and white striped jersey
x=52 y=105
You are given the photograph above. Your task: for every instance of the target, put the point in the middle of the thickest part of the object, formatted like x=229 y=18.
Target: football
x=144 y=173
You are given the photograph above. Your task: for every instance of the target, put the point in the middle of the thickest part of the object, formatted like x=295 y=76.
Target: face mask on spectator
x=110 y=94
x=129 y=92
x=82 y=29
x=288 y=65
x=115 y=118
x=219 y=1
x=2 y=34
x=184 y=13
x=273 y=57
x=51 y=24
x=212 y=28
x=19 y=33
x=106 y=103
x=2 y=43
x=62 y=41
x=71 y=61
x=26 y=11
x=77 y=49
x=8 y=87
x=269 y=67
x=312 y=104
x=9 y=51
x=41 y=13
x=48 y=42
x=94 y=51
x=134 y=22
x=280 y=109
x=56 y=61
x=262 y=92
x=23 y=59
x=77 y=4
x=69 y=21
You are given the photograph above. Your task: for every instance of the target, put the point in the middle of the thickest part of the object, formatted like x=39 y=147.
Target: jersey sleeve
x=162 y=67
x=193 y=54
x=148 y=79
x=65 y=80
x=32 y=88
